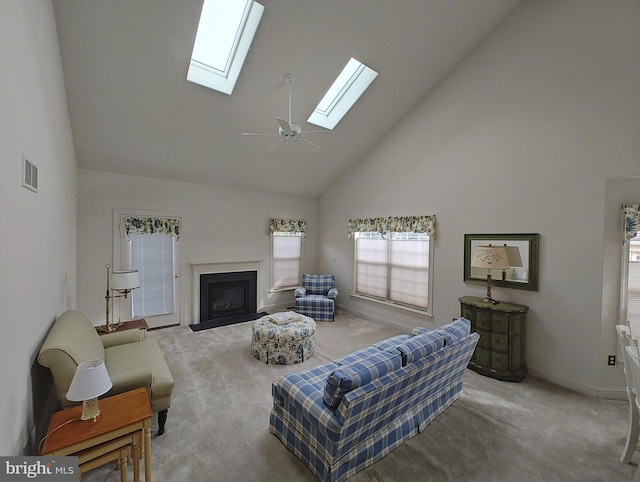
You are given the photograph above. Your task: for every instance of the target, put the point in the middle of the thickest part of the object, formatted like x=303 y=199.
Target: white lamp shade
x=513 y=255
x=490 y=257
x=90 y=381
x=125 y=280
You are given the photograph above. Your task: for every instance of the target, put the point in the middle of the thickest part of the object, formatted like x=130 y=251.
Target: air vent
x=29 y=174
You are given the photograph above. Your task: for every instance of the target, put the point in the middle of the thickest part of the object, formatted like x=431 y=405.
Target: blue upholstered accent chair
x=316 y=297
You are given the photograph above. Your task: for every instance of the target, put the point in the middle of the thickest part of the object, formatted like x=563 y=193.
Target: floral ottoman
x=283 y=338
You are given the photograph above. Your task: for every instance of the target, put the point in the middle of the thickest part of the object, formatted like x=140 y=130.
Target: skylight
x=224 y=36
x=354 y=79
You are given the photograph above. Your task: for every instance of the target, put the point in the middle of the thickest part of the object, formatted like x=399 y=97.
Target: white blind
x=394 y=267
x=152 y=256
x=286 y=259
x=409 y=272
x=372 y=266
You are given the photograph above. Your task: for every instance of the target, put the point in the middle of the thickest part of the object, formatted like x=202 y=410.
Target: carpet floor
x=217 y=428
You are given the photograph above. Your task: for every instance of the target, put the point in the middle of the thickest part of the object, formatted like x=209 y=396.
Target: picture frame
x=520 y=278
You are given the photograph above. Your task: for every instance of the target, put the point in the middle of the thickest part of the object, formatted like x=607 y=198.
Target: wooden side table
x=124 y=426
x=500 y=352
x=140 y=324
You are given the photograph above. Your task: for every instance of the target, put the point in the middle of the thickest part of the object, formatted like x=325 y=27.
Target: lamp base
x=111 y=327
x=90 y=410
x=490 y=301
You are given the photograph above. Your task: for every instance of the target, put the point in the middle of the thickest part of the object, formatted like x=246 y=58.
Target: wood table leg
x=137 y=447
x=122 y=463
x=147 y=450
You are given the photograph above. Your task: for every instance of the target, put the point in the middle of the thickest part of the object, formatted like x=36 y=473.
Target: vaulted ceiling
x=133 y=111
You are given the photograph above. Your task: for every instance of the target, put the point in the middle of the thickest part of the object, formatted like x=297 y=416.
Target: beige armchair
x=131 y=360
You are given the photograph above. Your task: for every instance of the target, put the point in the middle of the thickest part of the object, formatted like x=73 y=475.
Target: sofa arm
x=303 y=401
x=300 y=291
x=333 y=293
x=123 y=382
x=120 y=338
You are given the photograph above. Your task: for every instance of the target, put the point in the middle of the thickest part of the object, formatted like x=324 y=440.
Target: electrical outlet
x=611 y=360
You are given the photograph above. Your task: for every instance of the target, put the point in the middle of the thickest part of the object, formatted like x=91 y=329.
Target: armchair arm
x=123 y=382
x=300 y=291
x=120 y=338
x=333 y=293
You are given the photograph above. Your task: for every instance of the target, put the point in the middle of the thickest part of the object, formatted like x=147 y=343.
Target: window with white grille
x=393 y=268
x=286 y=260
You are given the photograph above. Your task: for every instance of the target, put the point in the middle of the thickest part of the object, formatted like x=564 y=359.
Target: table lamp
x=490 y=257
x=123 y=282
x=89 y=382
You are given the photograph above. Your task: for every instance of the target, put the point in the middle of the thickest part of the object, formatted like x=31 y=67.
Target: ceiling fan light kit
x=287 y=130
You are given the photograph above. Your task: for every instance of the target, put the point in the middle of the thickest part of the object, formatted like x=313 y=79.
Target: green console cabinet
x=500 y=352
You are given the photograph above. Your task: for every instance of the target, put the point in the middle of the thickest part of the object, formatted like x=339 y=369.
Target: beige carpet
x=217 y=429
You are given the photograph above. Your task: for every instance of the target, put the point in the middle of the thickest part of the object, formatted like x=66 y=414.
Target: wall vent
x=29 y=174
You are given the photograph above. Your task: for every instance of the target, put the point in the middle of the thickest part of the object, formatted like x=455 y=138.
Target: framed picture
x=523 y=277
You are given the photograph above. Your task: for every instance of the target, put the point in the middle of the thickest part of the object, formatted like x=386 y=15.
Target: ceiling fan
x=287 y=131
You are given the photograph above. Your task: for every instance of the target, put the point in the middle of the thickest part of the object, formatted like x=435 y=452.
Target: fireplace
x=225 y=295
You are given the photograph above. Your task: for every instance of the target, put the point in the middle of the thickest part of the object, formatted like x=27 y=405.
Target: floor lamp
x=122 y=282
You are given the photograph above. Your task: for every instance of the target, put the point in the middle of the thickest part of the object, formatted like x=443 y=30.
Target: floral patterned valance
x=141 y=225
x=394 y=224
x=288 y=226
x=631 y=220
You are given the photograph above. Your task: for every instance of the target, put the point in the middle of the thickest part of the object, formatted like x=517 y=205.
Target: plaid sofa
x=343 y=416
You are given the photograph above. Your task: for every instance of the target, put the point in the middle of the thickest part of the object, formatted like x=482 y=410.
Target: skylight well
x=223 y=39
x=354 y=79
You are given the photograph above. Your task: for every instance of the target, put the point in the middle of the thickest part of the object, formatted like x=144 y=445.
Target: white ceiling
x=133 y=112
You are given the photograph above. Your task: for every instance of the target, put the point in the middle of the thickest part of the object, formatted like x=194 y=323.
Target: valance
x=394 y=224
x=631 y=220
x=288 y=225
x=143 y=225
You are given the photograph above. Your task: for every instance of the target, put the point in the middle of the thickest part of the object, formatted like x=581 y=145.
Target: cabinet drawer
x=483 y=320
x=499 y=361
x=485 y=339
x=501 y=323
x=500 y=342
x=482 y=357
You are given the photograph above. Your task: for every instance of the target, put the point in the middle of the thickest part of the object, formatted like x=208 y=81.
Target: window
x=286 y=260
x=393 y=267
x=345 y=91
x=225 y=33
x=152 y=256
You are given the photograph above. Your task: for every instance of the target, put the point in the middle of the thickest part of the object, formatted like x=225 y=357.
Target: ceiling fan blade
x=280 y=141
x=285 y=126
x=254 y=134
x=316 y=132
x=308 y=141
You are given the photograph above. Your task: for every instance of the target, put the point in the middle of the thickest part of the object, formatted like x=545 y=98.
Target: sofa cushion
x=318 y=284
x=420 y=346
x=346 y=378
x=455 y=330
x=391 y=343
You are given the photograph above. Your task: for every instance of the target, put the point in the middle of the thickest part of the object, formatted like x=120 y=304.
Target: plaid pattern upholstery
x=346 y=378
x=371 y=420
x=316 y=297
x=455 y=330
x=420 y=346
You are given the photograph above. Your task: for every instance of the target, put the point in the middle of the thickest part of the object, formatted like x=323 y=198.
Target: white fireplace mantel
x=212 y=267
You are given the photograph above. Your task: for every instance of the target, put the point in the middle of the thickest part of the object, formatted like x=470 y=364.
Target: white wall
x=219 y=225
x=519 y=138
x=38 y=235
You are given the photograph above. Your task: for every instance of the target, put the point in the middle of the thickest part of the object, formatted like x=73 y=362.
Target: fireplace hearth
x=225 y=296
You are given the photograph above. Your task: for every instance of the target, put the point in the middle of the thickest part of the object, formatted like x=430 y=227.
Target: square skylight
x=225 y=32
x=354 y=79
